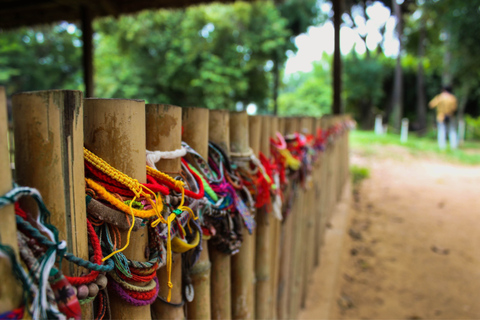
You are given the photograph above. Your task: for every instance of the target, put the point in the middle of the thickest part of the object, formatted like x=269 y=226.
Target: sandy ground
x=408 y=246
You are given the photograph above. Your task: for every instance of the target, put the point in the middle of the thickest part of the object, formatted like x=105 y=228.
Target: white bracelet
x=155 y=156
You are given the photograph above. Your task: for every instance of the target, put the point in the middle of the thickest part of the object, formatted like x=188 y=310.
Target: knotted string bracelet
x=139 y=190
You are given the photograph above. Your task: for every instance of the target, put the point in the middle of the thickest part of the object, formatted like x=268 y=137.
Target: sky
x=319 y=39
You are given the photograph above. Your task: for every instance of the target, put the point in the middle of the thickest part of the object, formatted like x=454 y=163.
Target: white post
x=404 y=131
x=461 y=131
x=378 y=125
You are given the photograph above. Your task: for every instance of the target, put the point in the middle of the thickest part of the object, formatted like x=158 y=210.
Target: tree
x=212 y=56
x=300 y=14
x=41 y=58
x=364 y=86
x=461 y=34
x=308 y=93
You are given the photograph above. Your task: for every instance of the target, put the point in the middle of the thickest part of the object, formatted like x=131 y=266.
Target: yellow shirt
x=446 y=105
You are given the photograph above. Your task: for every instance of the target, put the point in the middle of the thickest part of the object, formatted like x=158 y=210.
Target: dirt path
x=412 y=248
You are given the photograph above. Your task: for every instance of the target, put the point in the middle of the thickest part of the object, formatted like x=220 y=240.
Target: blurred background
x=411 y=245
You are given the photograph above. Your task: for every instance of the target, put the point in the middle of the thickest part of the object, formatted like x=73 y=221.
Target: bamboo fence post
x=195 y=133
x=263 y=246
x=306 y=127
x=342 y=160
x=338 y=172
x=221 y=288
x=319 y=194
x=300 y=238
x=327 y=174
x=347 y=151
x=275 y=235
x=164 y=133
x=244 y=134
x=285 y=281
x=254 y=125
x=306 y=225
x=49 y=157
x=10 y=289
x=281 y=125
x=292 y=125
x=344 y=153
x=338 y=162
x=114 y=131
x=332 y=171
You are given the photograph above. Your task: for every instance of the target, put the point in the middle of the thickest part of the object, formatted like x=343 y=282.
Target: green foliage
x=211 y=56
x=308 y=93
x=460 y=33
x=41 y=58
x=364 y=79
x=301 y=14
x=472 y=127
x=359 y=174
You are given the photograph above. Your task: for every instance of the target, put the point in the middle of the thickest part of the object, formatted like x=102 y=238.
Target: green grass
x=359 y=174
x=369 y=143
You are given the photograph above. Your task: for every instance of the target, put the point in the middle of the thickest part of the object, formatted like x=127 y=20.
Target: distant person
x=446 y=105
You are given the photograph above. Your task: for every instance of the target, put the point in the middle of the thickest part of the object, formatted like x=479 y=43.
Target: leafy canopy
x=210 y=56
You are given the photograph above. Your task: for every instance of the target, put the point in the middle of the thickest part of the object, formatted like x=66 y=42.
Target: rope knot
x=179 y=184
x=62 y=245
x=170 y=284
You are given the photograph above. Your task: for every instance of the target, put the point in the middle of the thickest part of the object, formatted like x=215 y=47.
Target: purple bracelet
x=136 y=302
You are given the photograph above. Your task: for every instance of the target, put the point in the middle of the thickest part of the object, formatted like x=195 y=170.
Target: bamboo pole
x=263 y=259
x=292 y=125
x=319 y=194
x=285 y=281
x=343 y=156
x=300 y=238
x=347 y=152
x=325 y=175
x=281 y=125
x=306 y=127
x=244 y=133
x=332 y=182
x=338 y=142
x=337 y=147
x=254 y=125
x=49 y=157
x=221 y=288
x=10 y=289
x=164 y=133
x=195 y=133
x=277 y=224
x=328 y=172
x=114 y=131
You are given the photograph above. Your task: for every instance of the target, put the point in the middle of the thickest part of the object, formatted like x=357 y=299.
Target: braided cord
x=24 y=225
x=119 y=176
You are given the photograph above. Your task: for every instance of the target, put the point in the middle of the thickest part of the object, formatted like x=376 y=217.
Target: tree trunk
x=337 y=58
x=447 y=60
x=276 y=81
x=397 y=101
x=421 y=100
x=366 y=113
